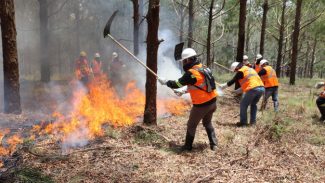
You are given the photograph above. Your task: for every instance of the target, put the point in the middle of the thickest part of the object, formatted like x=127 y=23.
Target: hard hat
x=188 y=53
x=234 y=66
x=263 y=62
x=115 y=55
x=97 y=55
x=83 y=54
x=259 y=56
x=245 y=57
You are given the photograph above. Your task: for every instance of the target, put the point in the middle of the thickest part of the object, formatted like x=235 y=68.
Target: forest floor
x=288 y=146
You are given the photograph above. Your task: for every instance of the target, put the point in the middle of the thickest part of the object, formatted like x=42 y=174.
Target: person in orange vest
x=271 y=84
x=256 y=65
x=252 y=87
x=201 y=87
x=82 y=68
x=96 y=66
x=321 y=101
x=246 y=62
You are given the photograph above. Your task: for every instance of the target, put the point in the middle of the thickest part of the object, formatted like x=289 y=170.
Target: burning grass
x=283 y=147
x=93 y=110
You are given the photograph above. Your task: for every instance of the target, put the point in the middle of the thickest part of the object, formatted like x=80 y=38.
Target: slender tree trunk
x=280 y=41
x=141 y=26
x=247 y=36
x=313 y=58
x=77 y=28
x=190 y=23
x=181 y=28
x=265 y=9
x=209 y=64
x=295 y=41
x=241 y=31
x=44 y=41
x=10 y=58
x=306 y=67
x=150 y=111
x=136 y=18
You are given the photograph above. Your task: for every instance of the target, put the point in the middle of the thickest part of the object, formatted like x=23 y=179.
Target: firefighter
x=116 y=71
x=82 y=68
x=252 y=87
x=321 y=101
x=271 y=84
x=96 y=66
x=201 y=86
x=258 y=59
x=246 y=62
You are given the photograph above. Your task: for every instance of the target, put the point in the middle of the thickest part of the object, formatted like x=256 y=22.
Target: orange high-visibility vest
x=251 y=79
x=322 y=94
x=258 y=68
x=270 y=79
x=199 y=96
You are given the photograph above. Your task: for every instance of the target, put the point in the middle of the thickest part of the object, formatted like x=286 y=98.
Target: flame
x=92 y=110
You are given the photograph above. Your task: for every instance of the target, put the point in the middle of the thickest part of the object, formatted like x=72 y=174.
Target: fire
x=11 y=143
x=92 y=110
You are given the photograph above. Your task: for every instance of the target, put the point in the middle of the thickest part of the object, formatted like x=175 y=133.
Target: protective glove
x=223 y=85
x=180 y=92
x=163 y=81
x=319 y=85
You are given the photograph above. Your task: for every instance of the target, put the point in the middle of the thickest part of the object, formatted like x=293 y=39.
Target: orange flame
x=92 y=110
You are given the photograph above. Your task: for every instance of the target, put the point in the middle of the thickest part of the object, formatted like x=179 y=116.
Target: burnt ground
x=285 y=147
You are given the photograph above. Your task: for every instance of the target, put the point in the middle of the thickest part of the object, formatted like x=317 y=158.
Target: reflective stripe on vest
x=199 y=96
x=269 y=79
x=251 y=79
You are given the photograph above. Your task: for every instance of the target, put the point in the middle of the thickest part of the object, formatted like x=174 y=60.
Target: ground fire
x=93 y=109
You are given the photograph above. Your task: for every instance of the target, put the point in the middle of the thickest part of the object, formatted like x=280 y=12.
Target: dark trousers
x=321 y=106
x=273 y=91
x=199 y=113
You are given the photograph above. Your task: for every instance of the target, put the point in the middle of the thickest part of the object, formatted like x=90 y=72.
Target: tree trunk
x=209 y=64
x=10 y=58
x=280 y=41
x=313 y=58
x=247 y=36
x=190 y=23
x=150 y=111
x=295 y=41
x=306 y=67
x=136 y=20
x=181 y=28
x=265 y=9
x=241 y=31
x=44 y=41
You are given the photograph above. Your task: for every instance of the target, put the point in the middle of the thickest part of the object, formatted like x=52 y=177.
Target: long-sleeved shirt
x=186 y=79
x=239 y=75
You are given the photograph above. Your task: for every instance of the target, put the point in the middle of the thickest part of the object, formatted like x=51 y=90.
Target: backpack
x=208 y=79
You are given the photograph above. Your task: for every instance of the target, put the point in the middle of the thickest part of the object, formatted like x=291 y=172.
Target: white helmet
x=97 y=55
x=188 y=53
x=259 y=56
x=234 y=66
x=115 y=55
x=245 y=57
x=263 y=62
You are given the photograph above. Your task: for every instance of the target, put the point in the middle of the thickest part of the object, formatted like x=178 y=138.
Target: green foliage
x=32 y=175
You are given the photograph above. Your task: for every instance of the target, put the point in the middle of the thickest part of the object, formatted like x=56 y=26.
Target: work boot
x=240 y=124
x=188 y=142
x=212 y=138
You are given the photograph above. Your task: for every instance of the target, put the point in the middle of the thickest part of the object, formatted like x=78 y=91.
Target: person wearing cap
x=96 y=66
x=271 y=84
x=82 y=69
x=252 y=87
x=246 y=62
x=258 y=59
x=203 y=99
